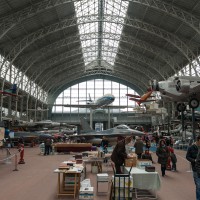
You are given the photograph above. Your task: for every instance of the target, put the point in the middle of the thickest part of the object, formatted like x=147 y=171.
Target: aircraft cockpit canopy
x=122 y=127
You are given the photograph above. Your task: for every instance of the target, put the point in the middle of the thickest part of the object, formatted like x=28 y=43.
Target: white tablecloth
x=145 y=180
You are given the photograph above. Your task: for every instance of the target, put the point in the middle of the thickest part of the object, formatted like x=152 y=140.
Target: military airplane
x=141 y=99
x=95 y=137
x=43 y=124
x=179 y=89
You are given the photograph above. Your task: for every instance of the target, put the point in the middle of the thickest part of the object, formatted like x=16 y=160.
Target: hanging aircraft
x=10 y=92
x=183 y=89
x=101 y=102
x=95 y=137
x=141 y=99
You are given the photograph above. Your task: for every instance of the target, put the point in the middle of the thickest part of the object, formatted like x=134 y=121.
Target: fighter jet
x=93 y=136
x=179 y=89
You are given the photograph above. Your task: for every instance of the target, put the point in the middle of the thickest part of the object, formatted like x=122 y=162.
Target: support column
x=193 y=125
x=108 y=117
x=91 y=118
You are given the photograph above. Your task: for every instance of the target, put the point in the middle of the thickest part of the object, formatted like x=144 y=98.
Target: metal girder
x=169 y=37
x=31 y=38
x=155 y=66
x=72 y=76
x=162 y=54
x=9 y=21
x=47 y=65
x=184 y=16
x=28 y=62
x=65 y=23
x=92 y=72
x=46 y=75
x=175 y=41
x=130 y=68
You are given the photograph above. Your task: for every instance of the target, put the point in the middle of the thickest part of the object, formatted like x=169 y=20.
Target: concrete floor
x=35 y=179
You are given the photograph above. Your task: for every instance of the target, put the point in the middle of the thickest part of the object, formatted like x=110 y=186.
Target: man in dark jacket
x=191 y=156
x=139 y=147
x=119 y=154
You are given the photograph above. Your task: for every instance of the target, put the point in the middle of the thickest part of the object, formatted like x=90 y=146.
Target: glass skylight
x=95 y=17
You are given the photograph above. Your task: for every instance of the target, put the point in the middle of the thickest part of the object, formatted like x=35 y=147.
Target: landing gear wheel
x=181 y=107
x=193 y=103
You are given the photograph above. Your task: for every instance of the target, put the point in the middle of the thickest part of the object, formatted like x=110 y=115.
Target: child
x=173 y=159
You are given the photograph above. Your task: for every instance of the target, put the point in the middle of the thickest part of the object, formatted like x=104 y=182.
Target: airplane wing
x=90 y=106
x=7 y=93
x=132 y=95
x=134 y=99
x=109 y=134
x=195 y=88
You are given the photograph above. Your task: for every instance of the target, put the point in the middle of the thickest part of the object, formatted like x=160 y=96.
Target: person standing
x=139 y=147
x=119 y=154
x=163 y=153
x=47 y=146
x=191 y=156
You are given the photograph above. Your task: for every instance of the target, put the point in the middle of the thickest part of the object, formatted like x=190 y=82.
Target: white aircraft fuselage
x=103 y=101
x=180 y=89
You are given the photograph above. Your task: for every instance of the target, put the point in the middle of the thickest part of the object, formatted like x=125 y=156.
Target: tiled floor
x=35 y=179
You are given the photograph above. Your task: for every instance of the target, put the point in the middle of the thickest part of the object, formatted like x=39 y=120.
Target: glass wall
x=88 y=91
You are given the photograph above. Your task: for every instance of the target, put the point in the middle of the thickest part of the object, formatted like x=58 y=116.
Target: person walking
x=119 y=154
x=162 y=152
x=139 y=147
x=191 y=156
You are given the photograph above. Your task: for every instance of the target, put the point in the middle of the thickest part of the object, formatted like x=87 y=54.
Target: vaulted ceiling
x=57 y=43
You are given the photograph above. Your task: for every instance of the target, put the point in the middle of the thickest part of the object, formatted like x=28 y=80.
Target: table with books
x=69 y=177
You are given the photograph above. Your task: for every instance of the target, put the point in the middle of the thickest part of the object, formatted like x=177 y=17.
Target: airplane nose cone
x=112 y=98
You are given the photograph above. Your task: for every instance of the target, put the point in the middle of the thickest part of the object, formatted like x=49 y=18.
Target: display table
x=145 y=180
x=69 y=184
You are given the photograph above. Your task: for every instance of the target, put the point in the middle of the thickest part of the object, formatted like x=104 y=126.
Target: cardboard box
x=150 y=168
x=143 y=162
x=86 y=190
x=86 y=183
x=131 y=162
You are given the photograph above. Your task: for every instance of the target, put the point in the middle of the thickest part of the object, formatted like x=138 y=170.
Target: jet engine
x=183 y=85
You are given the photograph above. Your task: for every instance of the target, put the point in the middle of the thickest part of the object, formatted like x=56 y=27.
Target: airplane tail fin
x=85 y=126
x=14 y=88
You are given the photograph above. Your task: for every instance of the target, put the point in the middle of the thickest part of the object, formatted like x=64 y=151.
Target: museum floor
x=35 y=180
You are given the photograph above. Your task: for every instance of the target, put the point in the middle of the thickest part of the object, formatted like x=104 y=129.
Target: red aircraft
x=141 y=99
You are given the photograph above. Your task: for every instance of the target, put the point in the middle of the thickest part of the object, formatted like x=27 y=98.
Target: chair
x=119 y=189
